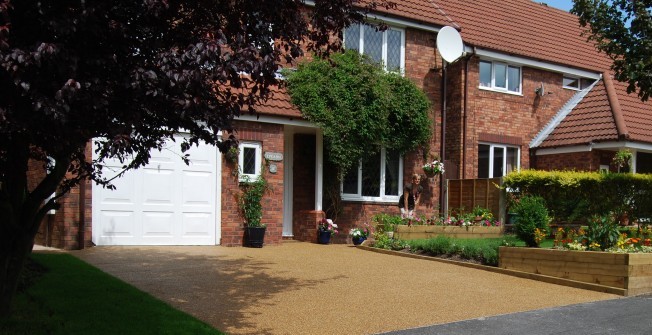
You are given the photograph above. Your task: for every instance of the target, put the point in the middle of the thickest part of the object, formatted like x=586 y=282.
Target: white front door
x=163 y=203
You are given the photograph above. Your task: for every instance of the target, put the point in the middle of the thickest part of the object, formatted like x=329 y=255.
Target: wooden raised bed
x=405 y=232
x=631 y=272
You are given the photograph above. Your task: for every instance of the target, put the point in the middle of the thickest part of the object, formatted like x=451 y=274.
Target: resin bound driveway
x=306 y=288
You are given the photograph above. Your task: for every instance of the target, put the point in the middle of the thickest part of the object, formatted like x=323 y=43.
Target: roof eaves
x=560 y=116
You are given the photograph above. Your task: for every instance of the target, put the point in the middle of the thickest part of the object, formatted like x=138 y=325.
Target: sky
x=561 y=4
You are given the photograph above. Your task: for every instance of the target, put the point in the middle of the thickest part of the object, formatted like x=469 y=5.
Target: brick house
x=529 y=92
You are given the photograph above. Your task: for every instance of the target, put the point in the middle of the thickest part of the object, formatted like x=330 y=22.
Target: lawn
x=72 y=297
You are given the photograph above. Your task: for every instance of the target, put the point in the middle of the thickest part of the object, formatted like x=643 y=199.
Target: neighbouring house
x=529 y=92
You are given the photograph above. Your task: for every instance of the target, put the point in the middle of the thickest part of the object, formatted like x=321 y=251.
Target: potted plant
x=360 y=234
x=251 y=209
x=433 y=168
x=325 y=230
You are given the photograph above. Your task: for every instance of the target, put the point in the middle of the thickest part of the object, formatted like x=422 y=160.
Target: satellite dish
x=449 y=44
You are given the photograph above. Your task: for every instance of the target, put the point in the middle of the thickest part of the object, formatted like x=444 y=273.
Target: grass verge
x=72 y=297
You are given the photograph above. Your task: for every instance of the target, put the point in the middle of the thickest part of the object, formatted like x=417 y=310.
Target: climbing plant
x=359 y=106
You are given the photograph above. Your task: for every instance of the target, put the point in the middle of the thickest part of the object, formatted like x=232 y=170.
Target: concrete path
x=306 y=288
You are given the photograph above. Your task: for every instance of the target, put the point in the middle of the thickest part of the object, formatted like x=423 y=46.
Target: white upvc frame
x=578 y=79
x=492 y=146
x=258 y=162
x=384 y=46
x=382 y=198
x=496 y=88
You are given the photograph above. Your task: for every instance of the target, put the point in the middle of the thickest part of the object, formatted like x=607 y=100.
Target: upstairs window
x=500 y=77
x=378 y=177
x=576 y=83
x=250 y=160
x=386 y=47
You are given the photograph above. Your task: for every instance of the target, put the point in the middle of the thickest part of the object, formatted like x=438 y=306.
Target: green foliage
x=602 y=231
x=382 y=241
x=622 y=158
x=359 y=107
x=385 y=222
x=622 y=29
x=484 y=251
x=250 y=201
x=576 y=196
x=72 y=297
x=531 y=215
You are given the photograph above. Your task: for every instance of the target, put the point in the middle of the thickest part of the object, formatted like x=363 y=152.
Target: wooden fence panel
x=466 y=194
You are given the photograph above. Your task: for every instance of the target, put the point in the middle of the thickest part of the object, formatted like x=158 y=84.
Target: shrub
x=484 y=251
x=603 y=232
x=531 y=215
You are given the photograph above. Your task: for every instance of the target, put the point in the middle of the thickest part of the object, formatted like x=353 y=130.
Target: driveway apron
x=306 y=288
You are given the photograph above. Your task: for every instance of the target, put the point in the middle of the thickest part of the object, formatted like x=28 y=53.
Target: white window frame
x=491 y=157
x=384 y=47
x=493 y=86
x=575 y=88
x=258 y=163
x=382 y=198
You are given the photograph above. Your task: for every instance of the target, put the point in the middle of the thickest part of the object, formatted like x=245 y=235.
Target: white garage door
x=164 y=203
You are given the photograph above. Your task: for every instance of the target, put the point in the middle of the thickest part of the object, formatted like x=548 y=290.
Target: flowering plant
x=433 y=168
x=363 y=231
x=327 y=225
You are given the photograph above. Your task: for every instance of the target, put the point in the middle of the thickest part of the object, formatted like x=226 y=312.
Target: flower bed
x=631 y=272
x=415 y=232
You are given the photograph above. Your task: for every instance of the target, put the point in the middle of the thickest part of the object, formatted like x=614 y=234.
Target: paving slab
x=307 y=288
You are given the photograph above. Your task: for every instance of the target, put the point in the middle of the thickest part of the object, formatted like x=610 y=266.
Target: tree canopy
x=623 y=30
x=360 y=107
x=131 y=73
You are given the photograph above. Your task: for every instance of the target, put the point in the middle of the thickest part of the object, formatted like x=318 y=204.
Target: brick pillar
x=305 y=229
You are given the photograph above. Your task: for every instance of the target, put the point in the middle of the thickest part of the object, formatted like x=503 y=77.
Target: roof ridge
x=442 y=12
x=561 y=115
x=621 y=127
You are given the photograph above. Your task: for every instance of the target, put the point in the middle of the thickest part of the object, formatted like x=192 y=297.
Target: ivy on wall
x=360 y=107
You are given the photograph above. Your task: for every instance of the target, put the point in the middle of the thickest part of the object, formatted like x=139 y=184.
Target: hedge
x=572 y=197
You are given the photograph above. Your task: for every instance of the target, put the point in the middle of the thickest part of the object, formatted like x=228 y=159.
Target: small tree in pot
x=251 y=209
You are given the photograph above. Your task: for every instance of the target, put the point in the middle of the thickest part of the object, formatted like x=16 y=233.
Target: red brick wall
x=494 y=114
x=271 y=138
x=580 y=161
x=61 y=230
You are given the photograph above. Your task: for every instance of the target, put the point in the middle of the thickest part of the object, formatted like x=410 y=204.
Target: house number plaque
x=274 y=156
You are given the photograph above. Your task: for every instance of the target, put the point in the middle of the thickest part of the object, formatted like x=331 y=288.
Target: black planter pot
x=323 y=237
x=254 y=236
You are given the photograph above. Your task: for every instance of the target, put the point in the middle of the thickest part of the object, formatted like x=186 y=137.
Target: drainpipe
x=464 y=111
x=442 y=196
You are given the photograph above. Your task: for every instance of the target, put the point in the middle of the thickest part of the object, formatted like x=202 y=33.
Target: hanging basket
x=430 y=173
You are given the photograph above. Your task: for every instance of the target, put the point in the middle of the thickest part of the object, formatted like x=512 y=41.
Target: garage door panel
x=163 y=203
x=158 y=224
x=197 y=190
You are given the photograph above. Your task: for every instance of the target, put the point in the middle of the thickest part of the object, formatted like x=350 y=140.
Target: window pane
x=571 y=82
x=373 y=43
x=485 y=74
x=352 y=37
x=392 y=161
x=514 y=79
x=249 y=160
x=500 y=76
x=371 y=176
x=643 y=162
x=393 y=50
x=512 y=159
x=586 y=83
x=350 y=182
x=499 y=154
x=483 y=161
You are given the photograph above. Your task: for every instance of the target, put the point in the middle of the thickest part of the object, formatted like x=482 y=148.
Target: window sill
x=378 y=201
x=500 y=91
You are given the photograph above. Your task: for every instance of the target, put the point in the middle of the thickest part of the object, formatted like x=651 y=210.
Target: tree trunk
x=12 y=258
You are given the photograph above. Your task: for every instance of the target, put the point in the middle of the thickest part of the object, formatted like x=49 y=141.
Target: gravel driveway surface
x=306 y=288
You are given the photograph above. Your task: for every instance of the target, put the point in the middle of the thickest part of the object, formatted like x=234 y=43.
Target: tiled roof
x=422 y=11
x=524 y=28
x=278 y=104
x=597 y=119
